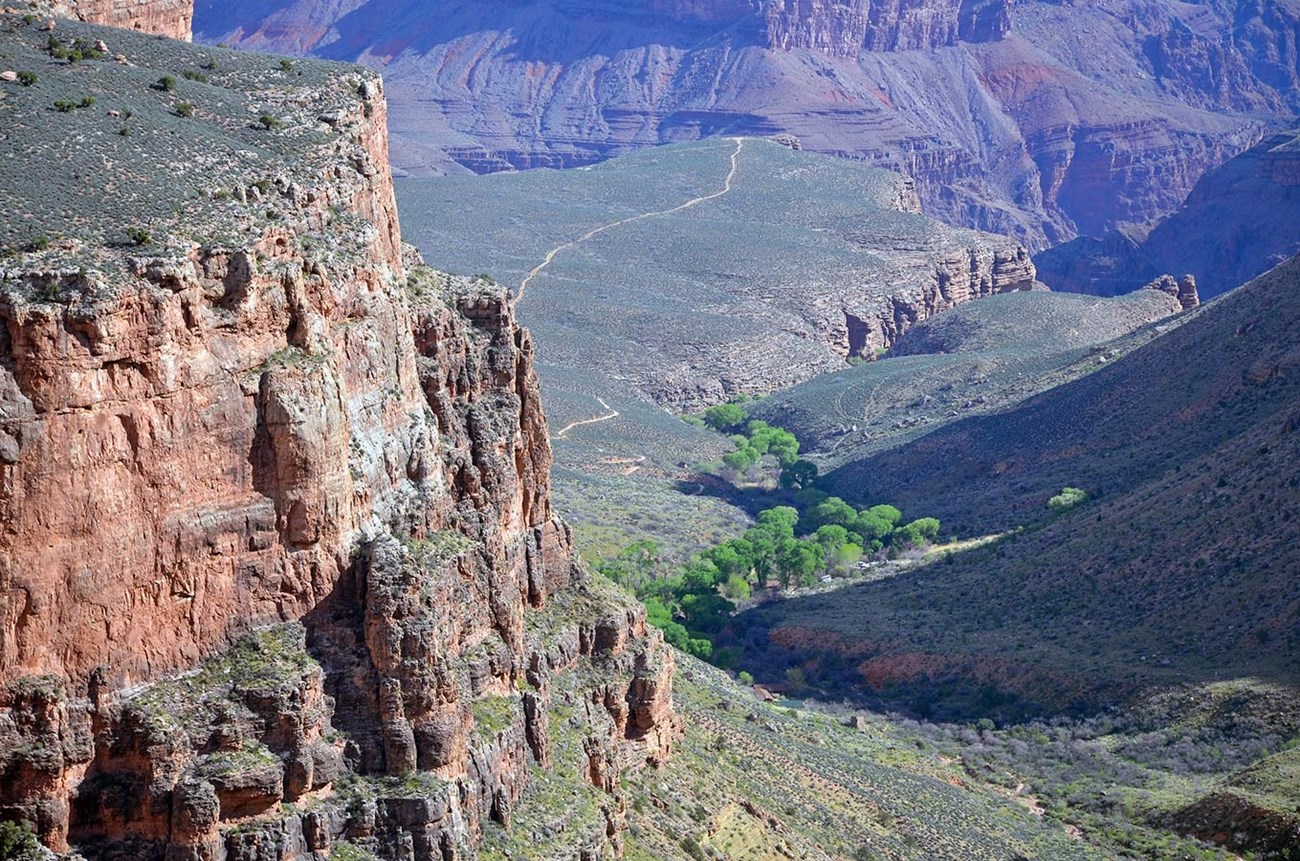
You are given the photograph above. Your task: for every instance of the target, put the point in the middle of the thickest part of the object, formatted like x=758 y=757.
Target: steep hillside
x=1191 y=469
x=1037 y=119
x=1238 y=222
x=280 y=575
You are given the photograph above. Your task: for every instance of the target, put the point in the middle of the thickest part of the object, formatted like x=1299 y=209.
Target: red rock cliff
x=310 y=474
x=172 y=18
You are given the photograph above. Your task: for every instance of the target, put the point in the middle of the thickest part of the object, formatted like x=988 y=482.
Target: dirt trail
x=612 y=414
x=596 y=231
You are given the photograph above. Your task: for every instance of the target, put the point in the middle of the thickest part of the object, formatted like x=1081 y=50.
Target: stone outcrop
x=1183 y=289
x=171 y=18
x=1040 y=120
x=976 y=273
x=279 y=566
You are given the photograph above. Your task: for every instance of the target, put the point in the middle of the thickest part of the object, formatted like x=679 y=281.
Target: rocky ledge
x=280 y=569
x=171 y=18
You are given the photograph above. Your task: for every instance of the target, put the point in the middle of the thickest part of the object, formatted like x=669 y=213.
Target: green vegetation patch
x=494 y=714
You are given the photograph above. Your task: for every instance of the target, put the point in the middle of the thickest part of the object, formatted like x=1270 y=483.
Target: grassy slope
x=760 y=782
x=1182 y=569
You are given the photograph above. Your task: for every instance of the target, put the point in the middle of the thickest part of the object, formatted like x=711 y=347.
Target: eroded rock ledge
x=171 y=18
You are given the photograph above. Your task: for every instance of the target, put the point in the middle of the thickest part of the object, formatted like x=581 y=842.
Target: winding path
x=612 y=414
x=596 y=231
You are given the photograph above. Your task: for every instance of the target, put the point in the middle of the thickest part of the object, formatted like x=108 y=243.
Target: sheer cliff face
x=846 y=29
x=276 y=418
x=171 y=18
x=1037 y=119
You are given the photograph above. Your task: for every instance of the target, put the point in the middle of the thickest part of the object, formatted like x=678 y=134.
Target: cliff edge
x=279 y=567
x=171 y=18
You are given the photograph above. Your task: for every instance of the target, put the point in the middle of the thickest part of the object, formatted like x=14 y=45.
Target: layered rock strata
x=1040 y=120
x=279 y=568
x=171 y=18
x=1237 y=223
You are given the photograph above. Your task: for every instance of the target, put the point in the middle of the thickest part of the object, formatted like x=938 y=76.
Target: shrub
x=27 y=78
x=166 y=83
x=1068 y=498
x=17 y=841
x=87 y=102
x=64 y=106
x=268 y=122
x=184 y=109
x=191 y=75
x=138 y=235
x=918 y=533
x=286 y=65
x=37 y=243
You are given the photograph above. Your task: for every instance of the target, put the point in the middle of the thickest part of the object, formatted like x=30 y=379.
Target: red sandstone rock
x=171 y=18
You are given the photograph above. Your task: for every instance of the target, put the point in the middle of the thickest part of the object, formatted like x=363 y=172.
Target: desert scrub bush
x=27 y=79
x=191 y=75
x=286 y=65
x=138 y=235
x=17 y=841
x=166 y=83
x=1068 y=498
x=184 y=109
x=268 y=122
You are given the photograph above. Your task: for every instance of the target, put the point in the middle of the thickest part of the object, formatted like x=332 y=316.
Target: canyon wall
x=978 y=272
x=1236 y=223
x=280 y=567
x=171 y=18
x=1040 y=120
x=846 y=29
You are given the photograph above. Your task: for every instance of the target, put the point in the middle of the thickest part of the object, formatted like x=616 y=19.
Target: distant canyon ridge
x=1041 y=120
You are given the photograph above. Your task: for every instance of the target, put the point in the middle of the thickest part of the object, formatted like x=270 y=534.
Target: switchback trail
x=612 y=414
x=596 y=231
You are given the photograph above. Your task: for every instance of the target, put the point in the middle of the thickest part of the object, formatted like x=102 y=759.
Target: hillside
x=976 y=359
x=1238 y=222
x=712 y=269
x=1191 y=467
x=1037 y=119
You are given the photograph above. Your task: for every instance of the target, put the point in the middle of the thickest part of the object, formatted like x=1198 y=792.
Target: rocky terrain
x=280 y=574
x=1238 y=222
x=1041 y=120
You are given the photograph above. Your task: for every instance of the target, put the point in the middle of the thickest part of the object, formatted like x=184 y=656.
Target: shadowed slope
x=1181 y=569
